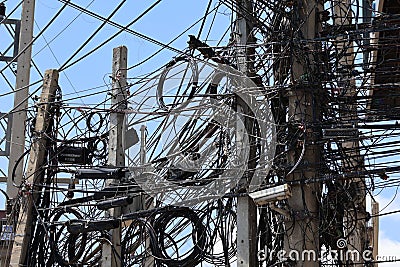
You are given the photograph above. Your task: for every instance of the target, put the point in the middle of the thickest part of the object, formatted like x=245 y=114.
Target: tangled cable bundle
x=164 y=232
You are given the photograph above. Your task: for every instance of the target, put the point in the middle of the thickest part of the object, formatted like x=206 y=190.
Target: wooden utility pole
x=302 y=229
x=246 y=208
x=35 y=173
x=111 y=256
x=17 y=145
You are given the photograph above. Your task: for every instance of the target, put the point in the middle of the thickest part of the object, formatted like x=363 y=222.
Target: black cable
x=92 y=35
x=122 y=29
x=37 y=36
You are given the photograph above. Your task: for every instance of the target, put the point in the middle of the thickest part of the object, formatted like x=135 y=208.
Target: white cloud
x=388 y=247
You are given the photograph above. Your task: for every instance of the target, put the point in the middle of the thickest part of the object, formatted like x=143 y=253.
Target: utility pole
x=375 y=229
x=246 y=208
x=35 y=173
x=302 y=228
x=111 y=256
x=141 y=200
x=353 y=160
x=21 y=97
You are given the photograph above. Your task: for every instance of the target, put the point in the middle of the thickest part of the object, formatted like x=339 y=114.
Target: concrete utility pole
x=116 y=153
x=17 y=145
x=302 y=229
x=34 y=174
x=375 y=230
x=246 y=208
x=354 y=161
x=140 y=202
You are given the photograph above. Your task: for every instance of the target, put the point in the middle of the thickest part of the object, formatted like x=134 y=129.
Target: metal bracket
x=7 y=133
x=15 y=45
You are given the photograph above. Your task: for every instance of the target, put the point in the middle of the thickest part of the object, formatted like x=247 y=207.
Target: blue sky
x=72 y=28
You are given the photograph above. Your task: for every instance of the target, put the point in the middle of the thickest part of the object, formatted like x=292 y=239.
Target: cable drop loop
x=160 y=86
